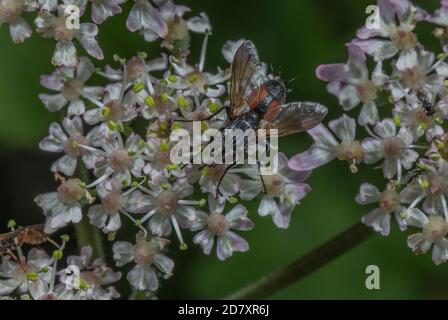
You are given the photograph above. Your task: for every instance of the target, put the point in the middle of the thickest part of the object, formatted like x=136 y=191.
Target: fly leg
x=261 y=177
x=205 y=119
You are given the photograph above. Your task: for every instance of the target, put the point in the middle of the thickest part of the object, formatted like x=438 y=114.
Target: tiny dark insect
x=429 y=107
x=33 y=235
x=414 y=173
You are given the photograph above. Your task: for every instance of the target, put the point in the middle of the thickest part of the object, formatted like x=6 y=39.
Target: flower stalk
x=302 y=267
x=87 y=234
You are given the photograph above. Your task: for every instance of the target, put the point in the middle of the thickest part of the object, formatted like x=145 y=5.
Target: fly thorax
x=435 y=229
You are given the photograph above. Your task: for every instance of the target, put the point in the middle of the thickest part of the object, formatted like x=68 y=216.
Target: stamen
x=147 y=216
x=366 y=127
x=445 y=207
x=135 y=222
x=95 y=150
x=417 y=201
x=100 y=179
x=178 y=233
x=146 y=190
x=203 y=52
x=399 y=171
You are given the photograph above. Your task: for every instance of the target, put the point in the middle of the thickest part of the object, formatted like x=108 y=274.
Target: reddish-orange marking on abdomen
x=257 y=96
x=272 y=110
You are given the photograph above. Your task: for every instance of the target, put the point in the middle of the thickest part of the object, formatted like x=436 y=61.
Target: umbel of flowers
x=401 y=105
x=110 y=168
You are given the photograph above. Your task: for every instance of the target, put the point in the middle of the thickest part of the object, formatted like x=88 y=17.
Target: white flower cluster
x=114 y=145
x=404 y=111
x=37 y=275
x=60 y=20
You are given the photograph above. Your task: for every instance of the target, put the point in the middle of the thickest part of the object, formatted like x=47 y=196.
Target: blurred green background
x=295 y=37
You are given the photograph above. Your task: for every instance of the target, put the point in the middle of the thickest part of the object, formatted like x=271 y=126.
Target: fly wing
x=32 y=235
x=8 y=236
x=294 y=117
x=248 y=74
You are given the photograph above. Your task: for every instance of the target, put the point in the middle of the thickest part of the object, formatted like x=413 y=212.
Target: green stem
x=314 y=260
x=86 y=234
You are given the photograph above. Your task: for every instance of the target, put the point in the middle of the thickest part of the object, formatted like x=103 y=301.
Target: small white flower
x=395 y=148
x=146 y=255
x=221 y=226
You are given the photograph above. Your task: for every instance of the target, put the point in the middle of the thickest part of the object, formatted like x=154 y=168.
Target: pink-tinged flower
x=440 y=18
x=352 y=85
x=95 y=277
x=417 y=71
x=281 y=192
x=194 y=80
x=395 y=149
x=415 y=117
x=389 y=203
x=158 y=165
x=159 y=104
x=177 y=38
x=106 y=215
x=68 y=143
x=395 y=32
x=216 y=225
x=433 y=234
x=165 y=207
x=64 y=205
x=29 y=275
x=117 y=159
x=51 y=26
x=116 y=109
x=47 y=5
x=230 y=183
x=70 y=83
x=326 y=147
x=146 y=255
x=137 y=72
x=209 y=106
x=103 y=9
x=144 y=16
x=11 y=13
